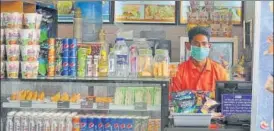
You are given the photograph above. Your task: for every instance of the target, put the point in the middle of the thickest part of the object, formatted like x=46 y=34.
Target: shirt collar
x=208 y=64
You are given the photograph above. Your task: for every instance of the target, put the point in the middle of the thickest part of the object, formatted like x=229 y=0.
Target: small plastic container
x=191 y=120
x=161 y=64
x=145 y=63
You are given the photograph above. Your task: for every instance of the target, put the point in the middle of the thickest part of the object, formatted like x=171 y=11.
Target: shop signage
x=236 y=104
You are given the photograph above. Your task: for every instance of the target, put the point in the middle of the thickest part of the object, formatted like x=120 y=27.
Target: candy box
x=12 y=52
x=12 y=69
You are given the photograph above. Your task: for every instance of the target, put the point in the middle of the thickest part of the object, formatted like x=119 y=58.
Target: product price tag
x=62 y=104
x=87 y=104
x=104 y=106
x=25 y=103
x=140 y=106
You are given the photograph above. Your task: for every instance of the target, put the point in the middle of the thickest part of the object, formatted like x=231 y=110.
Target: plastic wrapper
x=26 y=36
x=204 y=18
x=12 y=52
x=150 y=93
x=29 y=69
x=194 y=5
x=30 y=52
x=38 y=21
x=119 y=98
x=12 y=36
x=184 y=102
x=14 y=20
x=208 y=106
x=139 y=95
x=12 y=69
x=157 y=96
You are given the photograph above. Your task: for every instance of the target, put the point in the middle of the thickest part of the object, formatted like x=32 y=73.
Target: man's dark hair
x=198 y=30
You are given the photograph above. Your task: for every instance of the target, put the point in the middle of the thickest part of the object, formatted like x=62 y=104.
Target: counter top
x=226 y=128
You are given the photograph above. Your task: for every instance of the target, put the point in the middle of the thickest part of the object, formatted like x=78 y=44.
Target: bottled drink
x=103 y=60
x=111 y=63
x=133 y=54
x=121 y=52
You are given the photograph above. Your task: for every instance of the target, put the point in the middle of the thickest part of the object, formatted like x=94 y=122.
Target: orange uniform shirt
x=188 y=76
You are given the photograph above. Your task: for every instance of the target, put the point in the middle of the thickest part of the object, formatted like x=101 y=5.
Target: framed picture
x=66 y=11
x=248 y=34
x=235 y=7
x=162 y=12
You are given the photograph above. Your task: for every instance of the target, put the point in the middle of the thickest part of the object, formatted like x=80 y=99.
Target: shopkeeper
x=199 y=72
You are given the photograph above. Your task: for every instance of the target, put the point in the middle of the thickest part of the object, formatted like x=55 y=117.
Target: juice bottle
x=103 y=60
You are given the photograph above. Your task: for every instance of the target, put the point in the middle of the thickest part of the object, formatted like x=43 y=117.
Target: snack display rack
x=86 y=87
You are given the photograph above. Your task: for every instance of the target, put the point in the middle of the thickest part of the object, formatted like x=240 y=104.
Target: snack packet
x=38 y=21
x=14 y=20
x=2 y=36
x=209 y=105
x=12 y=69
x=26 y=36
x=12 y=52
x=29 y=69
x=29 y=20
x=30 y=52
x=184 y=102
x=12 y=36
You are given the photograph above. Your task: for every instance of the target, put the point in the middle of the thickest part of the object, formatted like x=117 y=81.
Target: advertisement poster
x=145 y=11
x=262 y=110
x=66 y=8
x=235 y=7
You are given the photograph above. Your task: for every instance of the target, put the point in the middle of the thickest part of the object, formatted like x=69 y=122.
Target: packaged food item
x=184 y=102
x=2 y=36
x=24 y=122
x=14 y=20
x=76 y=123
x=38 y=21
x=150 y=93
x=2 y=69
x=2 y=25
x=269 y=83
x=194 y=5
x=209 y=6
x=82 y=59
x=12 y=69
x=139 y=95
x=129 y=97
x=145 y=122
x=89 y=66
x=29 y=21
x=95 y=66
x=10 y=122
x=119 y=97
x=29 y=69
x=145 y=63
x=208 y=105
x=17 y=122
x=157 y=96
x=36 y=36
x=204 y=18
x=30 y=52
x=161 y=62
x=12 y=36
x=26 y=36
x=12 y=52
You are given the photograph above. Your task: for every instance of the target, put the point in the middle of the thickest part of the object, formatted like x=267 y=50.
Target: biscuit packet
x=12 y=69
x=12 y=52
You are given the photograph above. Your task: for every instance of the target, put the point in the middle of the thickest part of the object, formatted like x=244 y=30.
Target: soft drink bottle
x=121 y=51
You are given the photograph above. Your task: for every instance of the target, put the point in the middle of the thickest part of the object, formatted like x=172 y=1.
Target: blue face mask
x=199 y=53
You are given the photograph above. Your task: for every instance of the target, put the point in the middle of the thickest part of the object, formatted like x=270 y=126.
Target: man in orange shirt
x=198 y=73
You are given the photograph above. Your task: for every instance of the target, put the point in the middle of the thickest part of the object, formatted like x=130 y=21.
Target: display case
x=114 y=98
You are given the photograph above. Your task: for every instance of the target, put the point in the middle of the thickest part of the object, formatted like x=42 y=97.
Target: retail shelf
x=93 y=79
x=73 y=106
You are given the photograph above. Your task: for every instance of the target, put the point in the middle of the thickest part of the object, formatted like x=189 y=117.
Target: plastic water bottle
x=121 y=52
x=111 y=63
x=133 y=54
